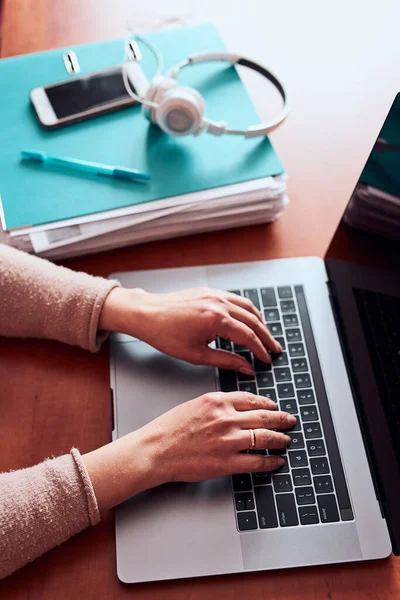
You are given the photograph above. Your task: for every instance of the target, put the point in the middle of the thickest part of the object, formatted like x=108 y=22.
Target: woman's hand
x=183 y=324
x=200 y=439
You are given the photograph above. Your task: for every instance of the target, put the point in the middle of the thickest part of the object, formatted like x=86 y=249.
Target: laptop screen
x=363 y=264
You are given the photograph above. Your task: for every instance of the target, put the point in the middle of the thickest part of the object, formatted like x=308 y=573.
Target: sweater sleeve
x=42 y=300
x=43 y=506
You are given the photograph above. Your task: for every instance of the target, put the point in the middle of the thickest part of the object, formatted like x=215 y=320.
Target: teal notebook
x=33 y=195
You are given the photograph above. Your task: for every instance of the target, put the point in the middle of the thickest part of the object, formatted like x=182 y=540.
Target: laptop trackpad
x=148 y=383
x=176 y=530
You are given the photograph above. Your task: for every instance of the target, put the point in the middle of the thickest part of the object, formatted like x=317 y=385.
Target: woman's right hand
x=197 y=440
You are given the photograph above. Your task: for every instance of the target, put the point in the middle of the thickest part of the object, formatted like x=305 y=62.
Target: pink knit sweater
x=44 y=505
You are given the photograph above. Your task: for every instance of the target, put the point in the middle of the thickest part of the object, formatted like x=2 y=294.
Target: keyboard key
x=240 y=348
x=277 y=452
x=296 y=426
x=266 y=507
x=260 y=366
x=227 y=380
x=319 y=466
x=308 y=515
x=293 y=335
x=299 y=365
x=280 y=360
x=275 y=328
x=288 y=306
x=244 y=377
x=237 y=292
x=283 y=374
x=323 y=484
x=247 y=521
x=253 y=296
x=297 y=441
x=328 y=511
x=285 y=292
x=282 y=483
x=224 y=344
x=296 y=350
x=308 y=413
x=246 y=355
x=268 y=393
x=312 y=430
x=285 y=390
x=242 y=482
x=261 y=478
x=271 y=314
x=265 y=380
x=289 y=406
x=305 y=495
x=301 y=477
x=316 y=448
x=306 y=397
x=284 y=468
x=244 y=501
x=298 y=459
x=268 y=297
x=290 y=321
x=286 y=510
x=248 y=387
x=282 y=342
x=302 y=381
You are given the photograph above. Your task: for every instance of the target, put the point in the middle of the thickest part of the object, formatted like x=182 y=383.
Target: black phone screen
x=87 y=93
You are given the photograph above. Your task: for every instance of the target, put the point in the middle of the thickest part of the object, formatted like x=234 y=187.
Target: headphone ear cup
x=157 y=88
x=180 y=111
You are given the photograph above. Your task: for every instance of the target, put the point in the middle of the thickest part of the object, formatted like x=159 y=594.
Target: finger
x=259 y=329
x=265 y=438
x=267 y=419
x=242 y=334
x=254 y=463
x=246 y=401
x=243 y=303
x=226 y=360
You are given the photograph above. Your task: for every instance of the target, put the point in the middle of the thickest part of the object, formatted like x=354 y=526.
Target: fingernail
x=276 y=405
x=288 y=439
x=292 y=419
x=247 y=371
x=278 y=347
x=281 y=462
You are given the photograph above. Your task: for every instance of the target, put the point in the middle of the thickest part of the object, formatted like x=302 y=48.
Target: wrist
x=124 y=468
x=122 y=310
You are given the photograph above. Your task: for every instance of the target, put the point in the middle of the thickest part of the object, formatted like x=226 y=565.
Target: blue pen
x=86 y=166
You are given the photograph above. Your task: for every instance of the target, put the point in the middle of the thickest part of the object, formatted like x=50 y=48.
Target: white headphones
x=179 y=110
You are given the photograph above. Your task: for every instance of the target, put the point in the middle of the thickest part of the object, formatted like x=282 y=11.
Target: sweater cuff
x=93 y=507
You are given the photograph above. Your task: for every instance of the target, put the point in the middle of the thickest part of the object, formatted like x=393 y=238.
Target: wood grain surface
x=341 y=64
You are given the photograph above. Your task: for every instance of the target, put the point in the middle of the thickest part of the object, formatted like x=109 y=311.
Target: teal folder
x=32 y=194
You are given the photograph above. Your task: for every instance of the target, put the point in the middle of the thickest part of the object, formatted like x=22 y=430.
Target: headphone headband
x=236 y=59
x=161 y=103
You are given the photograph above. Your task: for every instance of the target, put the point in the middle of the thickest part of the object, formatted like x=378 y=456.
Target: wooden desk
x=341 y=65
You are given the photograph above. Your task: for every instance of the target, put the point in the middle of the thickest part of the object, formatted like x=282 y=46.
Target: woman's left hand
x=184 y=323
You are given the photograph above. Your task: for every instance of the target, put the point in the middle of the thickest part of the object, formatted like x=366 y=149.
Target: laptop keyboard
x=380 y=318
x=310 y=488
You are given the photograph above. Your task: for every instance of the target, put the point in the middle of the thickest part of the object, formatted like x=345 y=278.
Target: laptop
x=337 y=497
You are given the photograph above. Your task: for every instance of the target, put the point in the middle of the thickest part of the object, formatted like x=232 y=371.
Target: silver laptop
x=337 y=497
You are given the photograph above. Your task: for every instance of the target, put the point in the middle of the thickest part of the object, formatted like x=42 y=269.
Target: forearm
x=41 y=507
x=40 y=299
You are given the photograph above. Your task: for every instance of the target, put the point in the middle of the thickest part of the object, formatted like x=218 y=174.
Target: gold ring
x=252 y=443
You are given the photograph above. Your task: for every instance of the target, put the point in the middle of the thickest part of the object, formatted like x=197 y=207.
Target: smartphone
x=85 y=97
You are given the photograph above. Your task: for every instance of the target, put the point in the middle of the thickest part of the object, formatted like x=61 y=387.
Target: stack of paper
x=242 y=204
x=196 y=184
